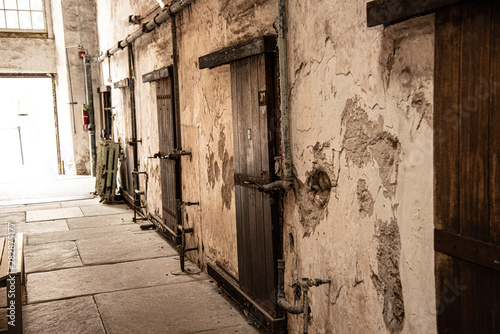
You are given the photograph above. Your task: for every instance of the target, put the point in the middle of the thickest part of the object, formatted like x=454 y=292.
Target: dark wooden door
x=254 y=147
x=128 y=150
x=467 y=167
x=170 y=173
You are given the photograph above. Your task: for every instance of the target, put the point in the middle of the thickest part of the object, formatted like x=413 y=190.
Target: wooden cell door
x=128 y=166
x=252 y=90
x=467 y=167
x=170 y=172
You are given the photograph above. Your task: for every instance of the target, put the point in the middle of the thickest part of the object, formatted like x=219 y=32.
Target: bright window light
x=22 y=15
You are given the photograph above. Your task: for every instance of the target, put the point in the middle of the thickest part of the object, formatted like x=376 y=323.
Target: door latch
x=271 y=187
x=176 y=154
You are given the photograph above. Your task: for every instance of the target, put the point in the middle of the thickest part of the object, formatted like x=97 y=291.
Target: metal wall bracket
x=181 y=239
x=176 y=154
x=133 y=142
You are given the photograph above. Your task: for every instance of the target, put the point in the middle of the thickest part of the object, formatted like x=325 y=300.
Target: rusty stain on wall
x=317 y=188
x=319 y=185
x=214 y=171
x=228 y=180
x=241 y=16
x=238 y=14
x=211 y=169
x=365 y=199
x=423 y=106
x=387 y=281
x=365 y=141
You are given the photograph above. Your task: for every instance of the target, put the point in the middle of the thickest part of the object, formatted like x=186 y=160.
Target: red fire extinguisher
x=85 y=118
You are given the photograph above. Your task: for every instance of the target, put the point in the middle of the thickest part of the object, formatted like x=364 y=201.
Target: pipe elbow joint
x=289 y=307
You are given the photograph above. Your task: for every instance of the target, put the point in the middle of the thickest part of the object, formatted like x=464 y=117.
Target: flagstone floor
x=91 y=269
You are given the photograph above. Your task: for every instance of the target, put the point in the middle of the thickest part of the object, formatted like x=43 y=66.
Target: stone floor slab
x=89 y=280
x=87 y=233
x=37 y=227
x=12 y=217
x=182 y=308
x=76 y=315
x=53 y=214
x=26 y=189
x=84 y=202
x=242 y=329
x=23 y=208
x=113 y=249
x=51 y=257
x=102 y=209
x=98 y=221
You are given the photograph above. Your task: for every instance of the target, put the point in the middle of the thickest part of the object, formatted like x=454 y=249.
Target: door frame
x=53 y=77
x=256 y=46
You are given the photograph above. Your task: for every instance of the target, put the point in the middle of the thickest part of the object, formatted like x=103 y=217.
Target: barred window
x=22 y=15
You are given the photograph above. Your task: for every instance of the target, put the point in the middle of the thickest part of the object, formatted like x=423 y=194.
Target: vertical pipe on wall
x=90 y=107
x=56 y=124
x=284 y=94
x=71 y=98
x=175 y=56
x=177 y=134
x=133 y=119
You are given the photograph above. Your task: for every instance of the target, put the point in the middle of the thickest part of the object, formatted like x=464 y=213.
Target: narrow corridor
x=90 y=269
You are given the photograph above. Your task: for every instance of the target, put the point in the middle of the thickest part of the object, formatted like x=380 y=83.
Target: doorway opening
x=27 y=126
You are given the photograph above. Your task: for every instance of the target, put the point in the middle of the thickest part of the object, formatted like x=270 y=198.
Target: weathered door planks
x=128 y=151
x=494 y=138
x=253 y=101
x=169 y=168
x=466 y=161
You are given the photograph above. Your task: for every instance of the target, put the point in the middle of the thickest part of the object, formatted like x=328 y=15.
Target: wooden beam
x=472 y=250
x=103 y=89
x=388 y=12
x=247 y=49
x=157 y=74
x=14 y=34
x=121 y=84
x=27 y=75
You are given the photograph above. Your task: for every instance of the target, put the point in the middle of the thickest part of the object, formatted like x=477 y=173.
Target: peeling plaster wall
x=206 y=116
x=361 y=127
x=361 y=112
x=205 y=104
x=151 y=52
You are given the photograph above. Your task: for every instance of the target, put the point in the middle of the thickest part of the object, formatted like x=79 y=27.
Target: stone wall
x=361 y=128
x=361 y=134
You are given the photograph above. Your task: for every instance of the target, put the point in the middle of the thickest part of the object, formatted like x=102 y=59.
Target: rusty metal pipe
x=305 y=302
x=89 y=91
x=146 y=28
x=282 y=302
x=284 y=93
